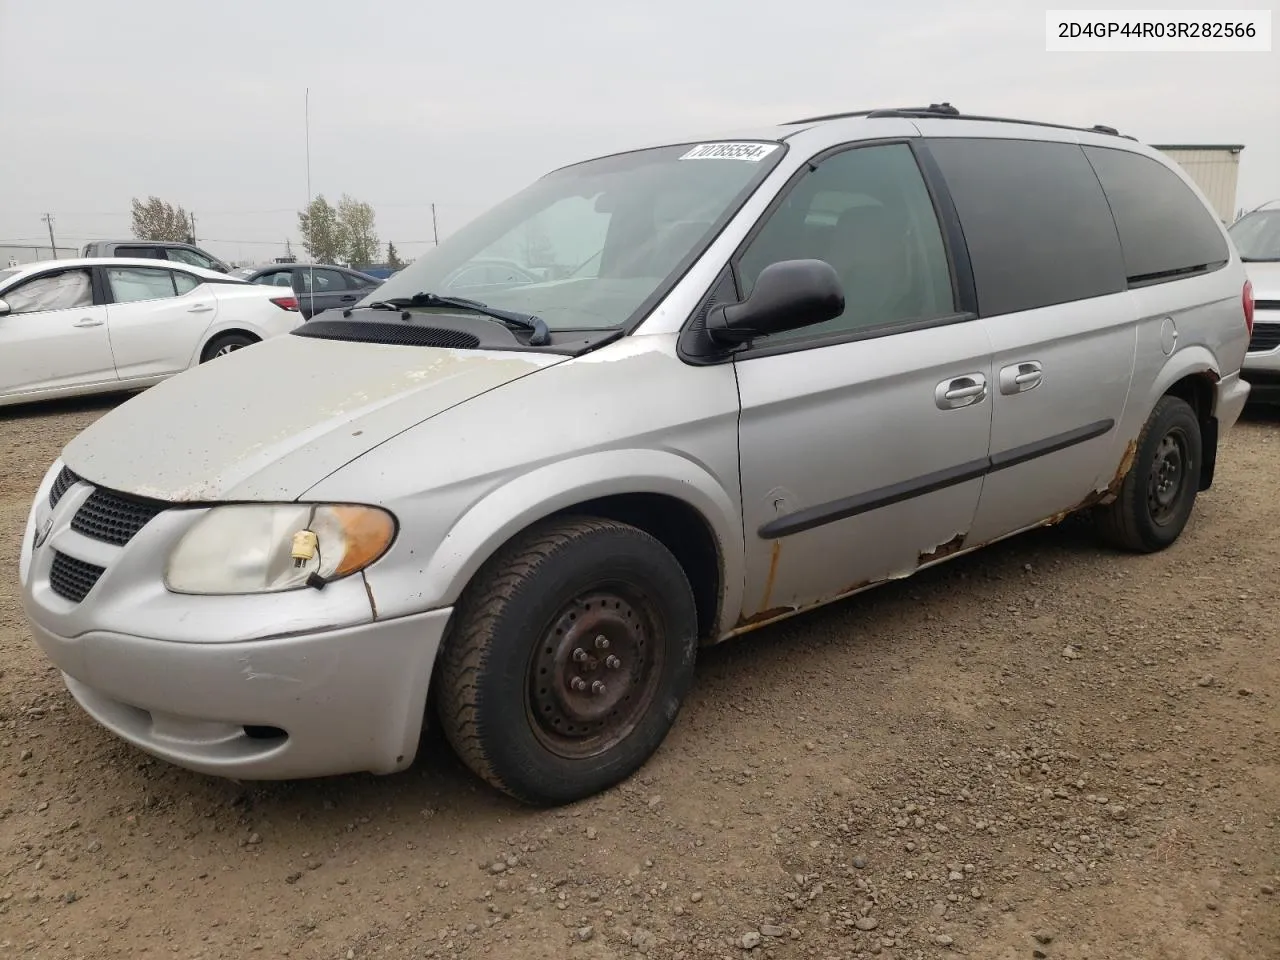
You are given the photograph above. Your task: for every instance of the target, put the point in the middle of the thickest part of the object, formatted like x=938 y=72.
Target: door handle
x=348 y=299
x=960 y=392
x=89 y=322
x=1021 y=377
x=204 y=308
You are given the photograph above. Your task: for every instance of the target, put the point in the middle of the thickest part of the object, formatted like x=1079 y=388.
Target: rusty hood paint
x=269 y=421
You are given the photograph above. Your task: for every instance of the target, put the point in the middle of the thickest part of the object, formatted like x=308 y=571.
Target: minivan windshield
x=1257 y=235
x=588 y=246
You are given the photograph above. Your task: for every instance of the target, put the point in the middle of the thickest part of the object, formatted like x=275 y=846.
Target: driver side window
x=57 y=291
x=867 y=212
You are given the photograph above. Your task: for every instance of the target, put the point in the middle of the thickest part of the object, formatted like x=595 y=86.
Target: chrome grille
x=72 y=579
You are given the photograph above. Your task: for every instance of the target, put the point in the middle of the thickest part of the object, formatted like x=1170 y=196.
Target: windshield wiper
x=541 y=333
x=1260 y=259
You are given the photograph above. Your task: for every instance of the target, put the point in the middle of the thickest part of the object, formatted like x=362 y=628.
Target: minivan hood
x=271 y=420
x=1265 y=277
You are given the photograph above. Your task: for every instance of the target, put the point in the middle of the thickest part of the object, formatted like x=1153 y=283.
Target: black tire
x=1157 y=495
x=220 y=346
x=506 y=698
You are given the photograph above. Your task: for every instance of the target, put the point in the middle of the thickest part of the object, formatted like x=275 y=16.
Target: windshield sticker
x=754 y=152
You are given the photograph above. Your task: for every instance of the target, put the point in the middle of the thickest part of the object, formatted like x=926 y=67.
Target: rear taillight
x=1248 y=306
x=289 y=303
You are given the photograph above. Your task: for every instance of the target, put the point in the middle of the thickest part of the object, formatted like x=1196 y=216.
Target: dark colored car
x=156 y=250
x=334 y=287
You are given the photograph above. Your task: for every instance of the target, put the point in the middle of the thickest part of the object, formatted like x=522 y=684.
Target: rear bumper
x=1232 y=395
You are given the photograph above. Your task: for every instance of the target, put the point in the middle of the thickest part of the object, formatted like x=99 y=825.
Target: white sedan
x=98 y=325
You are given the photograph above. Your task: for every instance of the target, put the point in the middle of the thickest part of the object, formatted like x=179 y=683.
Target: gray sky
x=461 y=104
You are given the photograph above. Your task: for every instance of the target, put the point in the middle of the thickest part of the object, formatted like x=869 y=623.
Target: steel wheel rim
x=226 y=348
x=1167 y=477
x=595 y=671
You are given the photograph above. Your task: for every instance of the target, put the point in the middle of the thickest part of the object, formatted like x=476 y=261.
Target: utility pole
x=193 y=228
x=435 y=232
x=53 y=247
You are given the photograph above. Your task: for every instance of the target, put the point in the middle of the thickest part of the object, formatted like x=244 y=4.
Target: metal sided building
x=1214 y=168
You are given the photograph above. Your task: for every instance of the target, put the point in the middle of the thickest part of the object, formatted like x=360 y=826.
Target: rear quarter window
x=1165 y=230
x=1035 y=220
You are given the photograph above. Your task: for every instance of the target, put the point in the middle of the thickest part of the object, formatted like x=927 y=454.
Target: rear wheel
x=568 y=659
x=1160 y=489
x=228 y=342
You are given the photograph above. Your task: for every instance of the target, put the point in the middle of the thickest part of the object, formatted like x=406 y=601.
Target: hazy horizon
x=461 y=107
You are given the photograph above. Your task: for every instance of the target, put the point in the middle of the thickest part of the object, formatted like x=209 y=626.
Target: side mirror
x=5 y=310
x=787 y=295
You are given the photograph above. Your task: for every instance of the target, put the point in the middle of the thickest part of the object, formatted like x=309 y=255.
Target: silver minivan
x=743 y=377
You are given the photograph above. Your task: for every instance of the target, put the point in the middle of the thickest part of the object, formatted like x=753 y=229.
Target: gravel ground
x=1044 y=750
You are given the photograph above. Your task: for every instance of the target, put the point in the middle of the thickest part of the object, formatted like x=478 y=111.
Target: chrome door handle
x=200 y=309
x=89 y=322
x=1021 y=377
x=960 y=392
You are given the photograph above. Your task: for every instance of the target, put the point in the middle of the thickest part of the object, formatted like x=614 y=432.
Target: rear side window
x=131 y=284
x=147 y=253
x=1165 y=230
x=182 y=255
x=1035 y=220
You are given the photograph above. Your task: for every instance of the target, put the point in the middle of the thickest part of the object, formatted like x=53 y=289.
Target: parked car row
x=99 y=324
x=318 y=288
x=733 y=381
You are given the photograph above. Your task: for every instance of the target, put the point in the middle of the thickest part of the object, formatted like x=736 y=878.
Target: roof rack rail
x=946 y=110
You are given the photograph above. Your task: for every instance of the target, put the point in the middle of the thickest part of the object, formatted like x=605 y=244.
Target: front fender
x=529 y=497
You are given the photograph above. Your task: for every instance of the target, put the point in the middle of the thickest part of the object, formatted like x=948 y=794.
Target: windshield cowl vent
x=400 y=334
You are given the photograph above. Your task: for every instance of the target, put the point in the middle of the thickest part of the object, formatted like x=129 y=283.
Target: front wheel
x=568 y=659
x=1160 y=489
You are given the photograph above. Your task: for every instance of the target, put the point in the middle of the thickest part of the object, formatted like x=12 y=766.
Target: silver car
x=1257 y=238
x=748 y=376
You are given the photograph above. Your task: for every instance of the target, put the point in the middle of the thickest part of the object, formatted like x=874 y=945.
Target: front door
x=54 y=336
x=863 y=440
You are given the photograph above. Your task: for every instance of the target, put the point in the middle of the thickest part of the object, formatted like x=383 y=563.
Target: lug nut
x=597 y=687
x=578 y=683
x=612 y=662
x=602 y=642
x=579 y=654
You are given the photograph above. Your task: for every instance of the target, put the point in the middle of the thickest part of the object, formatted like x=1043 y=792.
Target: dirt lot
x=1046 y=750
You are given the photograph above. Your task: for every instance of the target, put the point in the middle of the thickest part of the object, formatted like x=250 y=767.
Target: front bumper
x=344 y=701
x=1262 y=367
x=276 y=686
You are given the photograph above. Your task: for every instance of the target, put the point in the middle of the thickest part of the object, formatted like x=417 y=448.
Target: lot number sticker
x=754 y=152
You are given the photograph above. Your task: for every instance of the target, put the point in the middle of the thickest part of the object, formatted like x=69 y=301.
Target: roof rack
x=946 y=110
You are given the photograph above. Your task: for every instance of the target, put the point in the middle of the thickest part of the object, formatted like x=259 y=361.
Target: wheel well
x=222 y=335
x=682 y=530
x=1197 y=390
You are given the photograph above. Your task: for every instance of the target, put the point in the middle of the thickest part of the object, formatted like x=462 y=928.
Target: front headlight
x=266 y=548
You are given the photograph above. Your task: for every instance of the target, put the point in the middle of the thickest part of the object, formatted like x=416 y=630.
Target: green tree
x=393 y=257
x=359 y=240
x=154 y=219
x=322 y=234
